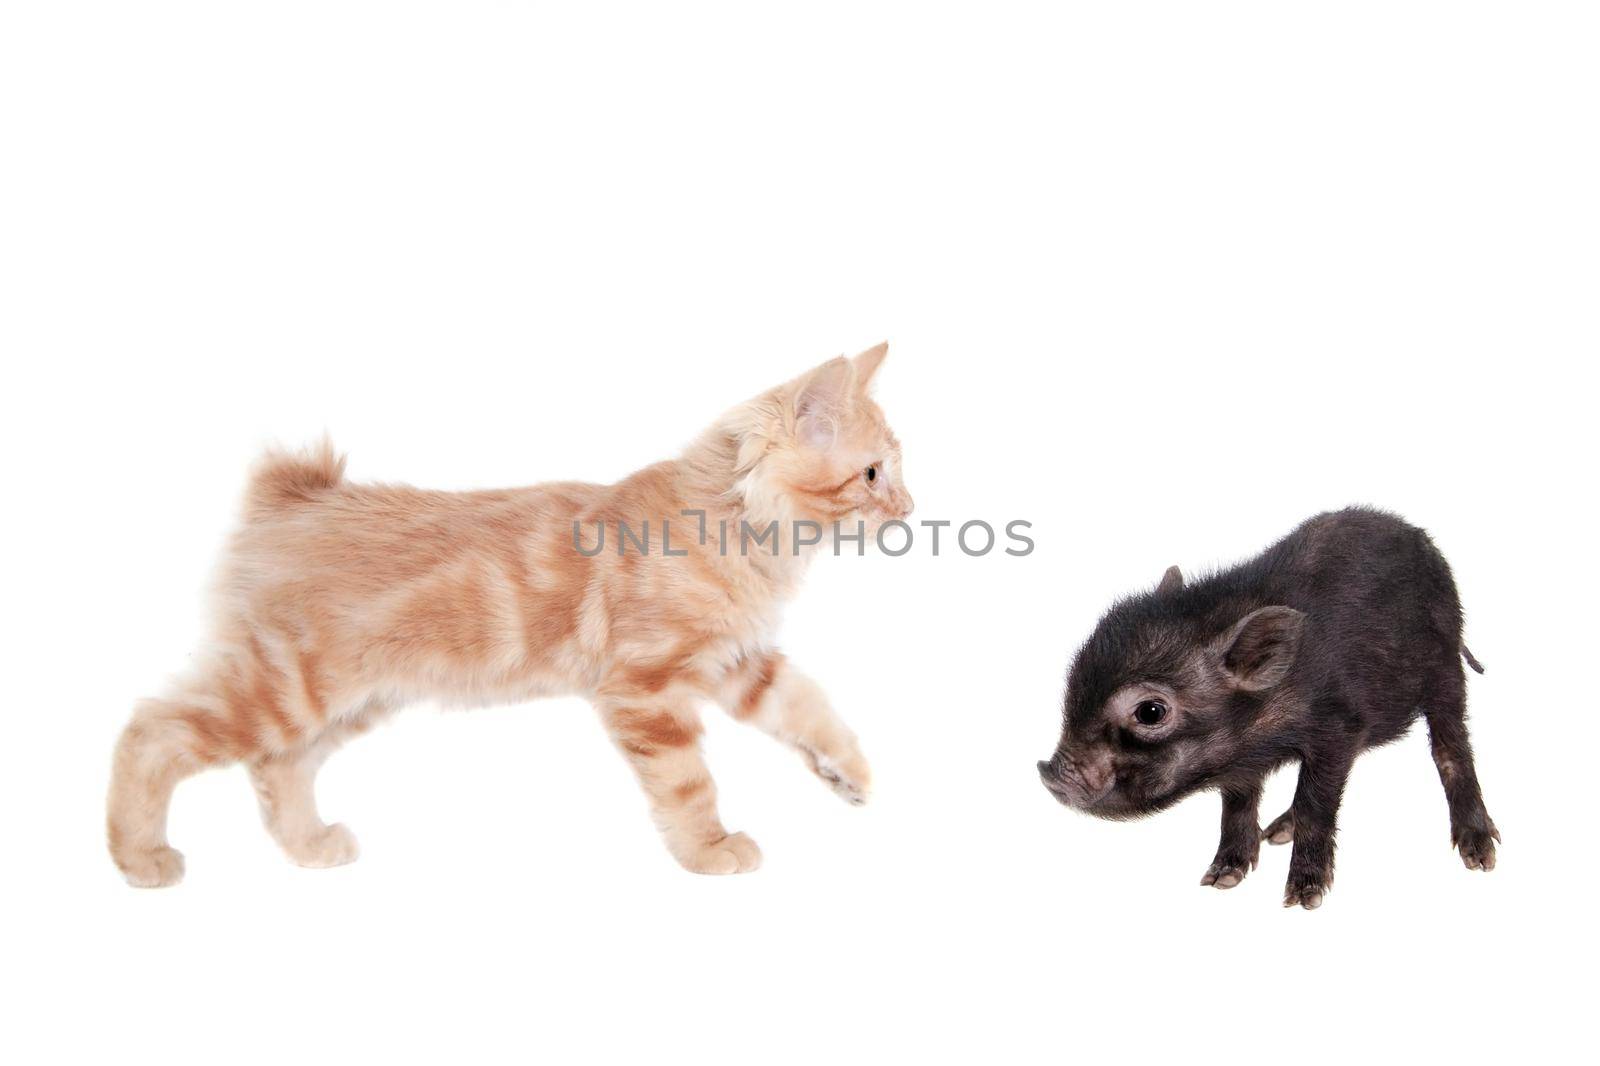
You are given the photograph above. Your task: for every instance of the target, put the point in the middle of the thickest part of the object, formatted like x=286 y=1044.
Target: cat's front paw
x=847 y=774
x=154 y=868
x=733 y=854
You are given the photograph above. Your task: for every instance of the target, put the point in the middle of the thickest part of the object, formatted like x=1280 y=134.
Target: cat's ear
x=867 y=364
x=822 y=401
x=1171 y=581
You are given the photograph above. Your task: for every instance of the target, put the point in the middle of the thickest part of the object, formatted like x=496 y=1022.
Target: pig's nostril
x=1051 y=776
x=1055 y=785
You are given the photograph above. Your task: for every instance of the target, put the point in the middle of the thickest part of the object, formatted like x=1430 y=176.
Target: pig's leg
x=1315 y=812
x=1240 y=846
x=1281 y=831
x=1471 y=830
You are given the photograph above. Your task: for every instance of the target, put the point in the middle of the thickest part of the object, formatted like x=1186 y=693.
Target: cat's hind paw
x=334 y=845
x=155 y=868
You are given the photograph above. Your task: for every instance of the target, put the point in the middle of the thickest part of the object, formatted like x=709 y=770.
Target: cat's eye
x=1150 y=712
x=872 y=473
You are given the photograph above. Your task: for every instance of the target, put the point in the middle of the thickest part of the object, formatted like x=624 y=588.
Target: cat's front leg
x=770 y=694
x=661 y=738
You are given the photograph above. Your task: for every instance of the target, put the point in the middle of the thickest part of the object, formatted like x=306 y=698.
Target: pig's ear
x=1171 y=581
x=1258 y=651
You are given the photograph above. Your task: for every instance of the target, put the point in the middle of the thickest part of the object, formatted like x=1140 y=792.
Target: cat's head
x=818 y=448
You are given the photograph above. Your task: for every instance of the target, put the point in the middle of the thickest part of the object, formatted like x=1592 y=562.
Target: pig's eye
x=1150 y=712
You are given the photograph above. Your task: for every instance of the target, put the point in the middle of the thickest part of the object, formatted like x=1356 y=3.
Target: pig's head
x=1168 y=696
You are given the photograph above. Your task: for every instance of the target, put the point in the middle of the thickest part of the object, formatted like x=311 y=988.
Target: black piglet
x=1332 y=641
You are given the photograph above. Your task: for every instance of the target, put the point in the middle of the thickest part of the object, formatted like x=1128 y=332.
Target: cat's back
x=305 y=524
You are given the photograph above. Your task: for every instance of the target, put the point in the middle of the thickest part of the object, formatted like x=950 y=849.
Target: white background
x=1162 y=279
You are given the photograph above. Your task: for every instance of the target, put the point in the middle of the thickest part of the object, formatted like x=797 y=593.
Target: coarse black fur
x=1332 y=641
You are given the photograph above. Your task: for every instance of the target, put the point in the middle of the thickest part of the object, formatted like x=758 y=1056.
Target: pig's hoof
x=1224 y=875
x=1307 y=896
x=1477 y=847
x=1281 y=831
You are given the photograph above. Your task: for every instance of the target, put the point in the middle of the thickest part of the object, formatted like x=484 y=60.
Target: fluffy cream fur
x=338 y=603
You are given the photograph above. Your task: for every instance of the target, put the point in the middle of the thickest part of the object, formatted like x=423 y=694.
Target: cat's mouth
x=895 y=510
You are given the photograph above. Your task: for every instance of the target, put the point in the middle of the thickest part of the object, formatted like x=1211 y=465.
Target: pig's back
x=1381 y=605
x=1361 y=558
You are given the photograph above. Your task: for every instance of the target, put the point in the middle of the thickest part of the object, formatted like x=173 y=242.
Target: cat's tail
x=283 y=478
x=1466 y=653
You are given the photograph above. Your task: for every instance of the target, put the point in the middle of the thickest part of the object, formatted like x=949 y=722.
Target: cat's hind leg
x=285 y=786
x=242 y=706
x=158 y=749
x=765 y=691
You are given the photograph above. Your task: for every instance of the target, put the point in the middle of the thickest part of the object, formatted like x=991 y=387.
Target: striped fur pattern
x=338 y=603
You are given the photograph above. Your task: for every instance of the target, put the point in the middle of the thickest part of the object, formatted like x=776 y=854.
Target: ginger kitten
x=338 y=603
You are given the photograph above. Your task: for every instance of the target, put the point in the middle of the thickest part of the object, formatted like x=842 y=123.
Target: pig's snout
x=1058 y=786
x=1074 y=784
